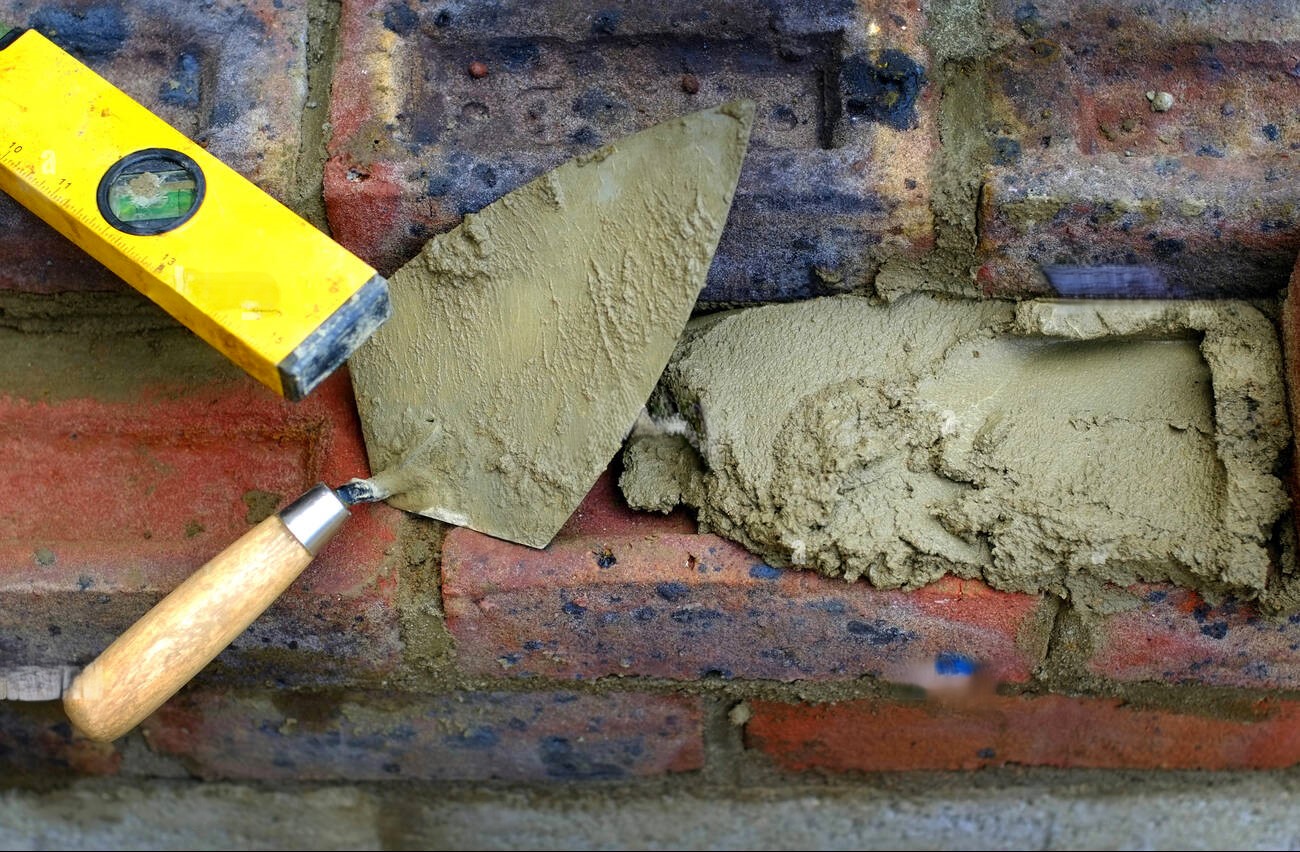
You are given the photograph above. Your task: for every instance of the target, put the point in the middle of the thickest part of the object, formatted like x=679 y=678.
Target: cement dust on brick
x=102 y=345
x=261 y=505
x=1038 y=446
x=524 y=342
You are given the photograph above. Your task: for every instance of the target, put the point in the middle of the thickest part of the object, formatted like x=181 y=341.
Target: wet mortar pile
x=1040 y=445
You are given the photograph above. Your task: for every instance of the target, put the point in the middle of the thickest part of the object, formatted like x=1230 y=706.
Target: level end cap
x=334 y=341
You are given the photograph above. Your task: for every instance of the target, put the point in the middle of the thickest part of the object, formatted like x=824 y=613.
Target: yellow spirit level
x=241 y=270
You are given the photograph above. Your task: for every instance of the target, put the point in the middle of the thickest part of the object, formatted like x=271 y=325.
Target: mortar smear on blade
x=1037 y=445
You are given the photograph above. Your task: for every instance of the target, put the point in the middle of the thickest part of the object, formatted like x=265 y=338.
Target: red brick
x=1132 y=24
x=830 y=189
x=1085 y=173
x=475 y=736
x=625 y=593
x=37 y=743
x=1174 y=636
x=124 y=494
x=1053 y=730
x=240 y=92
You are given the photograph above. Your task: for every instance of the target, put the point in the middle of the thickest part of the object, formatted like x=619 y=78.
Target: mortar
x=1036 y=445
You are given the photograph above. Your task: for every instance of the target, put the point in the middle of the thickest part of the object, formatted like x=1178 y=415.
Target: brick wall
x=970 y=145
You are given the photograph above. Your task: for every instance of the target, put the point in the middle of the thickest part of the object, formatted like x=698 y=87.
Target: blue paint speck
x=953 y=664
x=764 y=572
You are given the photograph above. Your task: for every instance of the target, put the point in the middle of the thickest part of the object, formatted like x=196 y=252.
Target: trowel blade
x=524 y=343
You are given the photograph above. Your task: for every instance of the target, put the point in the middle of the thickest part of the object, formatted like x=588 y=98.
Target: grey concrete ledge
x=1031 y=810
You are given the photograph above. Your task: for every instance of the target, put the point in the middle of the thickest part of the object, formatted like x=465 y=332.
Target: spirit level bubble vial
x=244 y=272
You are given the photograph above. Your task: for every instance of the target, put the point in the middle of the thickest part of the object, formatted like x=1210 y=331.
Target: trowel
x=522 y=346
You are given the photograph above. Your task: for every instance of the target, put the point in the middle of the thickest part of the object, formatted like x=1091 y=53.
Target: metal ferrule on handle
x=314 y=517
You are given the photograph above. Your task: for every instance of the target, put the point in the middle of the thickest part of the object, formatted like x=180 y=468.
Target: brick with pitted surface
x=1155 y=137
x=133 y=460
x=543 y=736
x=1172 y=635
x=837 y=176
x=869 y=735
x=641 y=595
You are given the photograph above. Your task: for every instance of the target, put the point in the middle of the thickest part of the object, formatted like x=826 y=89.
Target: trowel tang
x=186 y=630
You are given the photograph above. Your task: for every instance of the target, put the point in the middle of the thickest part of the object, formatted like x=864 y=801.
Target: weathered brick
x=624 y=593
x=133 y=459
x=1085 y=172
x=38 y=743
x=1174 y=636
x=1051 y=730
x=516 y=736
x=1132 y=24
x=229 y=74
x=837 y=176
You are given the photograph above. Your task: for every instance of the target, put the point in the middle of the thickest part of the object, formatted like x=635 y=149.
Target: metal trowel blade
x=524 y=343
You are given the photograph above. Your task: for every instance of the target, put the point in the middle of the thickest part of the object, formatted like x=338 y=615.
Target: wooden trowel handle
x=188 y=628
